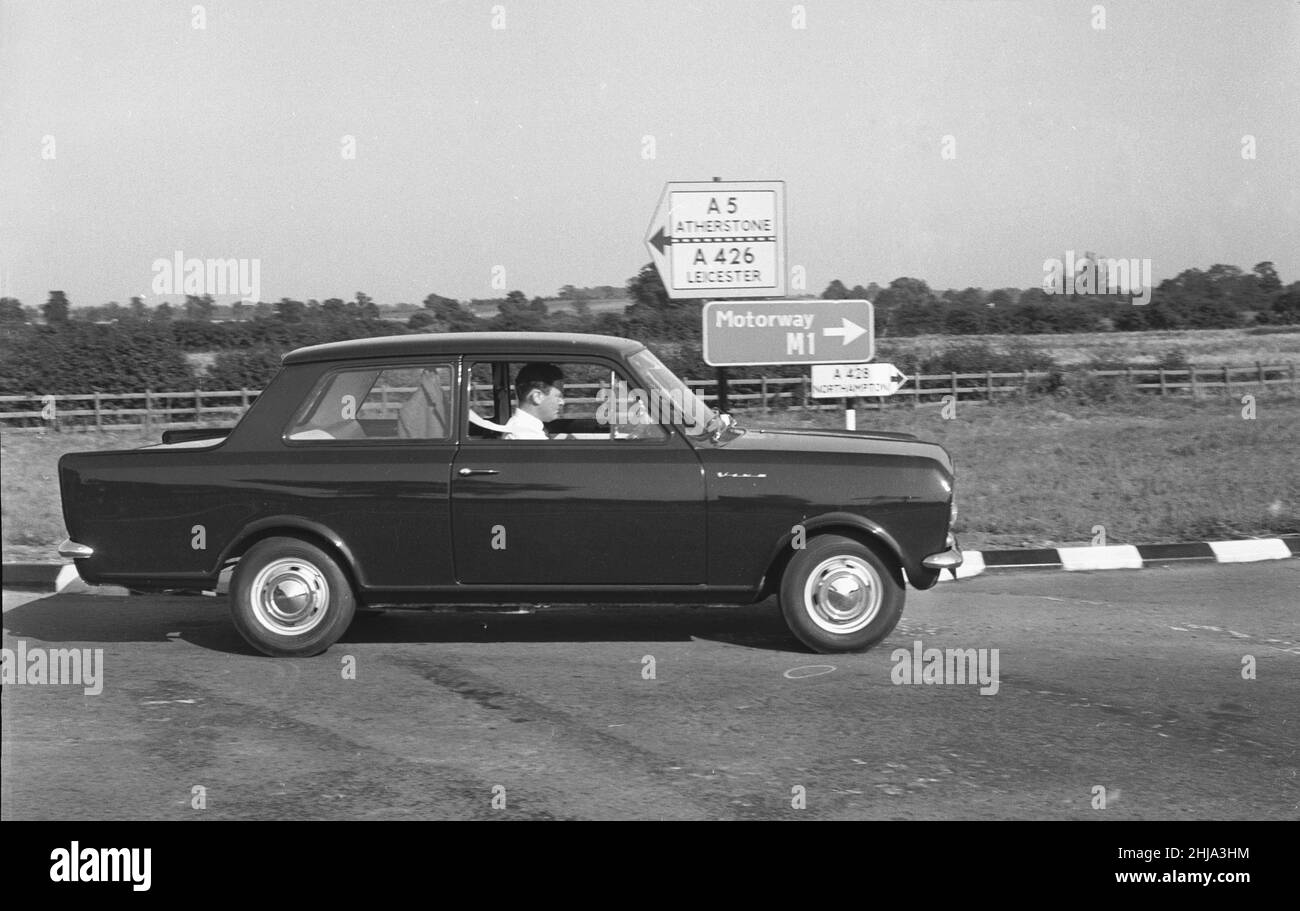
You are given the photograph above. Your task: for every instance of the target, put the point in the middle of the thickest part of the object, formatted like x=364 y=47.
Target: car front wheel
x=290 y=599
x=838 y=595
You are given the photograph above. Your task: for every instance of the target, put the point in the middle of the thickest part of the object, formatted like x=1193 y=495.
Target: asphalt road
x=1131 y=682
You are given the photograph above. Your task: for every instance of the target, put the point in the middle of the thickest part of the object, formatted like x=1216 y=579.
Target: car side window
x=598 y=403
x=371 y=403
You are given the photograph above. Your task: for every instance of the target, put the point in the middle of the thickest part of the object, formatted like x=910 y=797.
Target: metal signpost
x=726 y=239
x=846 y=381
x=814 y=332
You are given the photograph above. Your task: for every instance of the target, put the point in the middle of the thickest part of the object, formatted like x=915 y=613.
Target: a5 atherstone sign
x=754 y=333
x=720 y=239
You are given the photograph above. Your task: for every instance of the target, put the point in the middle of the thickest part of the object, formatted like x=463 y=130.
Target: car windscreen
x=669 y=398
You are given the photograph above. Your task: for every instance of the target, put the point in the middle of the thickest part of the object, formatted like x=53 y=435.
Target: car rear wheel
x=837 y=595
x=290 y=599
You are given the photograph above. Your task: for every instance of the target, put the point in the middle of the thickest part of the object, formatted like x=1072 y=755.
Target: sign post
x=790 y=332
x=854 y=381
x=726 y=239
x=720 y=239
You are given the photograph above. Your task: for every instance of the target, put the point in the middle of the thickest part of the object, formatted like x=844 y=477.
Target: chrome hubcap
x=843 y=594
x=290 y=597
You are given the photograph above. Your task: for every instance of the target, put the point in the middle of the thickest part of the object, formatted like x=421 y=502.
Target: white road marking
x=1250 y=551
x=814 y=670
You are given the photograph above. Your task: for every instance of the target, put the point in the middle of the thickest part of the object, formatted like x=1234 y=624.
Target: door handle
x=466 y=472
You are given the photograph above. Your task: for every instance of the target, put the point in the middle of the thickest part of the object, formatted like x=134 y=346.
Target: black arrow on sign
x=896 y=378
x=661 y=240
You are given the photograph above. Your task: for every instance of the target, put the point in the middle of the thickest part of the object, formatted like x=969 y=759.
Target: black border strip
x=1046 y=556
x=1155 y=553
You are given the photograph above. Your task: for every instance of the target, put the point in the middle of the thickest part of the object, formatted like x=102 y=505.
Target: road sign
x=720 y=238
x=811 y=331
x=836 y=381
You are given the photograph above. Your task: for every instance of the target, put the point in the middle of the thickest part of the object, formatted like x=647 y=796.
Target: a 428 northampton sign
x=720 y=238
x=741 y=333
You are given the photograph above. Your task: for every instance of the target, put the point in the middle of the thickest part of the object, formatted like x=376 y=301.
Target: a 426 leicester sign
x=720 y=238
x=788 y=332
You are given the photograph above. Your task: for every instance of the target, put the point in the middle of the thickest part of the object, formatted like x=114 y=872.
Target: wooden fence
x=164 y=410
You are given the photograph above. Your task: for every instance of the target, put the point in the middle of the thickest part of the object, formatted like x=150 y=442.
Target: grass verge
x=1148 y=471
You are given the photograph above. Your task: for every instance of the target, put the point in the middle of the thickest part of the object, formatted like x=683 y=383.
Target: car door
x=600 y=509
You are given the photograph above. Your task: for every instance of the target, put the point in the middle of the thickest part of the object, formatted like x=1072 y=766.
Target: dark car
x=389 y=472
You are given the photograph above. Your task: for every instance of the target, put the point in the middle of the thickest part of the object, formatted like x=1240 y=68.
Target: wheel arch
x=296 y=527
x=866 y=532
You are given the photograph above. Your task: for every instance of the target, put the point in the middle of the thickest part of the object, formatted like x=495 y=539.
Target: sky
x=525 y=145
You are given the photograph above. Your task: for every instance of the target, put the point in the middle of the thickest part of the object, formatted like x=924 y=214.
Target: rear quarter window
x=412 y=402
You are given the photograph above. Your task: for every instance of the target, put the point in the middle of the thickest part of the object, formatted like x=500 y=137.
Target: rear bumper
x=946 y=559
x=70 y=548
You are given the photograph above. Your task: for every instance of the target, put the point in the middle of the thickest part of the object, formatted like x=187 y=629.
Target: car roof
x=551 y=344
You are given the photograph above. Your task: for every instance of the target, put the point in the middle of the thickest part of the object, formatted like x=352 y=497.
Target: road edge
x=1126 y=556
x=58 y=577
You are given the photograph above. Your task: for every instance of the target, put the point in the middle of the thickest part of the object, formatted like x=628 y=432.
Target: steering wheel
x=638 y=424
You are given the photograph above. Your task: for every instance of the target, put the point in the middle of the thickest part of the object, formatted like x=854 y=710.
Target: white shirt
x=523 y=426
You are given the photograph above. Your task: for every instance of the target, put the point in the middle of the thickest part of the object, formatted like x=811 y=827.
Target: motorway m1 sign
x=720 y=239
x=752 y=333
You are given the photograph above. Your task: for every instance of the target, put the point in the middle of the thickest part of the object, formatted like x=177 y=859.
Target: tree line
x=1221 y=297
x=118 y=349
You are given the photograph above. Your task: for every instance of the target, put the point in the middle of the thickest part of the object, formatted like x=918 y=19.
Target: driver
x=539 y=395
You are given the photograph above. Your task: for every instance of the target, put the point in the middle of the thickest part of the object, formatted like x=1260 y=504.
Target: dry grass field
x=1029 y=474
x=29 y=483
x=1203 y=347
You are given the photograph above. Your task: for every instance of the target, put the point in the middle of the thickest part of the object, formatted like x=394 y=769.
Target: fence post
x=1164 y=387
x=764 y=391
x=806 y=384
x=916 y=391
x=1024 y=383
x=988 y=381
x=1128 y=370
x=243 y=400
x=198 y=407
x=1259 y=368
x=1191 y=375
x=953 y=375
x=1227 y=386
x=148 y=410
x=99 y=423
